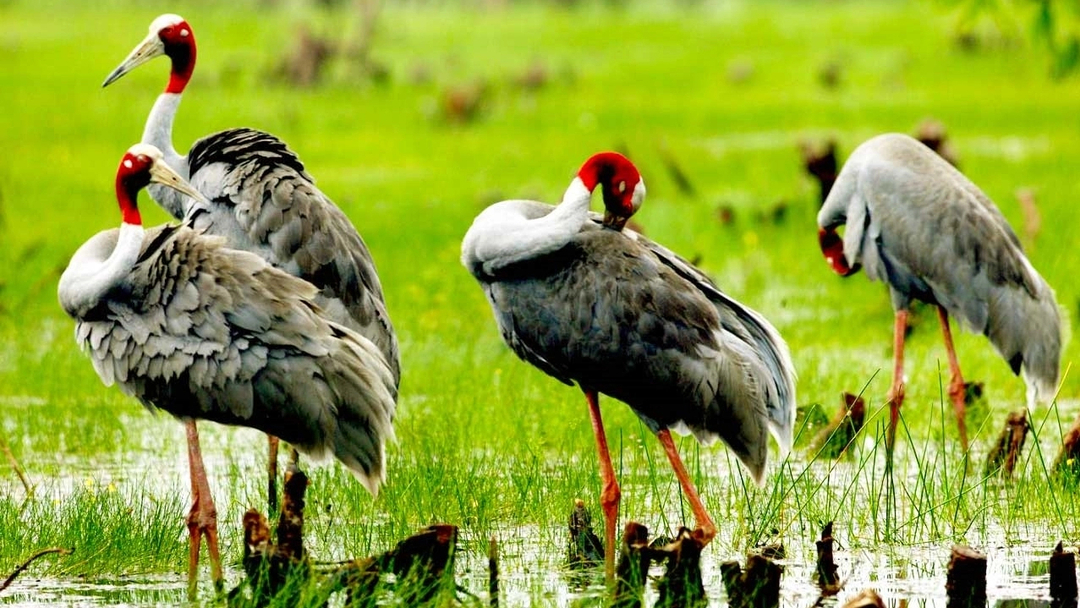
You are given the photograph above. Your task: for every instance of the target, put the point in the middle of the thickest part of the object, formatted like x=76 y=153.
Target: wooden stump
x=833 y=440
x=681 y=584
x=1067 y=462
x=1009 y=445
x=756 y=587
x=279 y=572
x=868 y=598
x=965 y=582
x=827 y=579
x=1063 y=576
x=585 y=550
x=633 y=567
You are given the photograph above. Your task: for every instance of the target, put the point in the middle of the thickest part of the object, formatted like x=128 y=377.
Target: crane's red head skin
x=832 y=247
x=179 y=42
x=132 y=175
x=618 y=179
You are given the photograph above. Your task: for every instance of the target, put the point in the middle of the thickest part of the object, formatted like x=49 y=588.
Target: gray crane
x=186 y=325
x=262 y=200
x=916 y=223
x=590 y=302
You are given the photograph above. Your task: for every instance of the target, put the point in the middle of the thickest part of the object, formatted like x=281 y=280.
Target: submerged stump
x=632 y=567
x=585 y=549
x=279 y=572
x=1009 y=445
x=868 y=598
x=965 y=583
x=758 y=586
x=1063 y=576
x=827 y=579
x=681 y=584
x=1068 y=459
x=833 y=440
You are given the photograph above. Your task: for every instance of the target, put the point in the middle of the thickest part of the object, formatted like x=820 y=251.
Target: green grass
x=486 y=441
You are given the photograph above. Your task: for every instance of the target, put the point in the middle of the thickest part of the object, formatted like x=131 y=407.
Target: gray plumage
x=916 y=223
x=263 y=201
x=623 y=316
x=203 y=331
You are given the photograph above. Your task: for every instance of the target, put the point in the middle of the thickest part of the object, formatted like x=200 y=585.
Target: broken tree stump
x=632 y=567
x=1009 y=445
x=868 y=598
x=965 y=583
x=1068 y=459
x=279 y=572
x=423 y=565
x=681 y=584
x=833 y=439
x=827 y=579
x=756 y=587
x=585 y=550
x=1063 y=576
x=493 y=573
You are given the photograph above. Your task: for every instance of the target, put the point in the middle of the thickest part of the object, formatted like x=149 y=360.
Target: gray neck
x=158 y=133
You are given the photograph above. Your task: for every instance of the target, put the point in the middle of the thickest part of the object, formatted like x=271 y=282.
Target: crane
x=918 y=224
x=590 y=302
x=189 y=326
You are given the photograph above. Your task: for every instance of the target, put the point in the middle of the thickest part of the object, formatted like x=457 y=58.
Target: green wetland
x=485 y=441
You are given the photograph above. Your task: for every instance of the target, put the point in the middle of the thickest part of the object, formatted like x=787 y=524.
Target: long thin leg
x=896 y=393
x=610 y=495
x=704 y=522
x=956 y=384
x=202 y=519
x=271 y=472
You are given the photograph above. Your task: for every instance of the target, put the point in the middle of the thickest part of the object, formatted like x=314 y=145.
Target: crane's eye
x=622 y=187
x=127 y=163
x=143 y=158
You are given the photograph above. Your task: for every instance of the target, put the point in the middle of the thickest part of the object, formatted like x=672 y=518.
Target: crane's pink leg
x=202 y=519
x=271 y=472
x=704 y=522
x=610 y=495
x=896 y=393
x=956 y=385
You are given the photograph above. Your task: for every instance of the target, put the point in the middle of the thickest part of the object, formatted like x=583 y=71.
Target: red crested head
x=832 y=247
x=169 y=35
x=620 y=184
x=141 y=166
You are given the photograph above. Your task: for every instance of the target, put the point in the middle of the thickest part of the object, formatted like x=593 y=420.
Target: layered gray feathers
x=202 y=331
x=263 y=201
x=623 y=316
x=915 y=222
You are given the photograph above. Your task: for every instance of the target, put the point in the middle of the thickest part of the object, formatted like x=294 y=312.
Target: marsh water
x=532 y=558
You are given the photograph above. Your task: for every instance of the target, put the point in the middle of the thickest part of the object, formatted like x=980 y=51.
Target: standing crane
x=262 y=200
x=186 y=325
x=587 y=301
x=916 y=223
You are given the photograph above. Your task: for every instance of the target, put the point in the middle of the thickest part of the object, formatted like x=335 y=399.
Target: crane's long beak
x=613 y=221
x=160 y=173
x=150 y=47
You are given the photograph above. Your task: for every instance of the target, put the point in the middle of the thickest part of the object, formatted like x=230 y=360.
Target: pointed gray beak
x=160 y=173
x=150 y=47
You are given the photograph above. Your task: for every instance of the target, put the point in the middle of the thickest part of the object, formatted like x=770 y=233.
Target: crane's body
x=190 y=326
x=916 y=223
x=205 y=332
x=588 y=302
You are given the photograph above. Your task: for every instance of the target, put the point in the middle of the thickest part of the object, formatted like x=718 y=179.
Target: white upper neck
x=158 y=133
x=89 y=278
x=501 y=235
